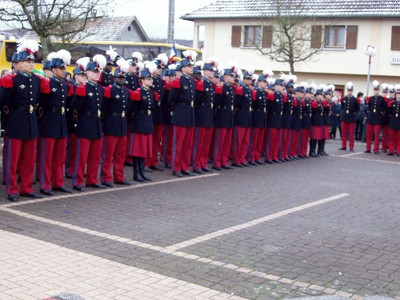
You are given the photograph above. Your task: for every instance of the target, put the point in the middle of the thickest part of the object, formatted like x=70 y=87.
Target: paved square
x=325 y=226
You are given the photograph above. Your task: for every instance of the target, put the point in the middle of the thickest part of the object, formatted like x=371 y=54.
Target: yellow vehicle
x=80 y=49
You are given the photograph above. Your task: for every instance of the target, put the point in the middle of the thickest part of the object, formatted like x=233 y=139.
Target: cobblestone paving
x=314 y=227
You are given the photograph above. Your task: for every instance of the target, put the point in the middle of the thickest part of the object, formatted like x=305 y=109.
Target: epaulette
x=254 y=95
x=314 y=104
x=324 y=103
x=81 y=90
x=218 y=89
x=238 y=90
x=44 y=85
x=135 y=95
x=176 y=84
x=271 y=96
x=168 y=86
x=70 y=90
x=199 y=86
x=107 y=91
x=7 y=82
x=156 y=96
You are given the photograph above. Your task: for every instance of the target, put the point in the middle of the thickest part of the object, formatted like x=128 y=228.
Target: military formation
x=195 y=117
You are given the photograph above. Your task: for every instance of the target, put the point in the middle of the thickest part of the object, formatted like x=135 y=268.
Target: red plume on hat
x=214 y=61
x=190 y=55
x=82 y=63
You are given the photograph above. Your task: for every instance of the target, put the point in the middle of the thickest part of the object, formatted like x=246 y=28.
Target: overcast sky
x=153 y=15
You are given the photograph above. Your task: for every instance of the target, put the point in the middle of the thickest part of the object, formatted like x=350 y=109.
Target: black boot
x=141 y=169
x=319 y=151
x=313 y=146
x=136 y=173
x=323 y=153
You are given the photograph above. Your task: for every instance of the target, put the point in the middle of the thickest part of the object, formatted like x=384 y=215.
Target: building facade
x=234 y=30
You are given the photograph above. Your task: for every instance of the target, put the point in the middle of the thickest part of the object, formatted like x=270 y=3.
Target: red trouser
x=167 y=144
x=394 y=142
x=88 y=155
x=274 y=143
x=4 y=157
x=348 y=134
x=19 y=154
x=72 y=153
x=221 y=146
x=201 y=147
x=285 y=142
x=256 y=144
x=158 y=137
x=266 y=143
x=385 y=137
x=241 y=139
x=52 y=153
x=114 y=152
x=294 y=142
x=304 y=138
x=375 y=131
x=128 y=159
x=182 y=145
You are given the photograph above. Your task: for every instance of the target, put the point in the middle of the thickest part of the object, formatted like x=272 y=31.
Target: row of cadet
x=182 y=113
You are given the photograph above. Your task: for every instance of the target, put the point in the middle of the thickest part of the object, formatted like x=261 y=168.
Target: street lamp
x=369 y=51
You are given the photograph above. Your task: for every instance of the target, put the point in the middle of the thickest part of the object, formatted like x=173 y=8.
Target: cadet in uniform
x=275 y=113
x=376 y=106
x=287 y=117
x=394 y=124
x=181 y=99
x=242 y=121
x=132 y=83
x=327 y=111
x=53 y=129
x=142 y=126
x=115 y=130
x=223 y=121
x=205 y=95
x=385 y=118
x=79 y=78
x=296 y=122
x=19 y=98
x=316 y=121
x=305 y=131
x=86 y=106
x=169 y=76
x=158 y=87
x=350 y=106
x=258 y=121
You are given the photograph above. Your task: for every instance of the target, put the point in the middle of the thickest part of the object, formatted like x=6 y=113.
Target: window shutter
x=395 y=38
x=351 y=38
x=267 y=37
x=316 y=36
x=236 y=36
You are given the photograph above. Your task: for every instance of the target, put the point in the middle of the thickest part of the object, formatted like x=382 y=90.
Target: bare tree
x=291 y=34
x=62 y=20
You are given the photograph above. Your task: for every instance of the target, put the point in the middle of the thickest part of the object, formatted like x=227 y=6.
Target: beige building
x=233 y=29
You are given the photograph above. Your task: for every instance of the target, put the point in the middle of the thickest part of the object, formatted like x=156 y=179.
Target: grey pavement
x=324 y=228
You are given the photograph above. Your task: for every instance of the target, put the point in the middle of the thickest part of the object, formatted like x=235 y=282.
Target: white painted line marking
x=82 y=229
x=368 y=159
x=252 y=223
x=351 y=154
x=109 y=190
x=170 y=250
